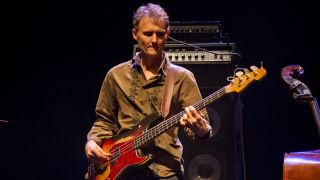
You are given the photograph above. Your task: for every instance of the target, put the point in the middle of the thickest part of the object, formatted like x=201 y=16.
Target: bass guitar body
x=125 y=153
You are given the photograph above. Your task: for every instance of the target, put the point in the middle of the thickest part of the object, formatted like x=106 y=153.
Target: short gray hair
x=153 y=11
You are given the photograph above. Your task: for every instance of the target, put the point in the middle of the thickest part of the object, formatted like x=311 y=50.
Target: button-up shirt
x=127 y=97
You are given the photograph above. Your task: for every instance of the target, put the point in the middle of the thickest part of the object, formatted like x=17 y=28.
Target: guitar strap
x=168 y=88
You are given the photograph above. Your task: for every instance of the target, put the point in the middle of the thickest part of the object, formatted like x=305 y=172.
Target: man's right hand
x=95 y=153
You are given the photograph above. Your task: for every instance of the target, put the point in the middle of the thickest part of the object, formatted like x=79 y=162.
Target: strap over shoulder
x=168 y=88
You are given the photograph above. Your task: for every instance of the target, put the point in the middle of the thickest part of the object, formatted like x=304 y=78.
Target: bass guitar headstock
x=243 y=77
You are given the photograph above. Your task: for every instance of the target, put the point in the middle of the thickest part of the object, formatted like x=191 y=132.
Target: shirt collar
x=136 y=61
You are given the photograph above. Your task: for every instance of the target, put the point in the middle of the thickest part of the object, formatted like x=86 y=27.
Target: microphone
x=202 y=49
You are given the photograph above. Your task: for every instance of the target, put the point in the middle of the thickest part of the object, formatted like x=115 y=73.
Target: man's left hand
x=196 y=121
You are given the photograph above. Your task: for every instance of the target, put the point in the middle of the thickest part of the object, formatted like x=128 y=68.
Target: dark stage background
x=55 y=55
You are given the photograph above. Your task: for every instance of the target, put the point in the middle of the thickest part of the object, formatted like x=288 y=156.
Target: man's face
x=151 y=36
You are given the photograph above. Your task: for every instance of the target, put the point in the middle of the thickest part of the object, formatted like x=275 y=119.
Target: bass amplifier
x=196 y=31
x=216 y=53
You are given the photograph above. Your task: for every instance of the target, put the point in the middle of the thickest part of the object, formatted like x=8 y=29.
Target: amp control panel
x=207 y=53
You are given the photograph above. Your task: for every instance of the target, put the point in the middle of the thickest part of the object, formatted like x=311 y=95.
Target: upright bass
x=301 y=165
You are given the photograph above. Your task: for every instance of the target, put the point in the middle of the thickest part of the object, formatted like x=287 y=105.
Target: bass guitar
x=126 y=148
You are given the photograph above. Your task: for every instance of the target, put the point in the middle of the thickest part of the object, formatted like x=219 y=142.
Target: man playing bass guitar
x=133 y=90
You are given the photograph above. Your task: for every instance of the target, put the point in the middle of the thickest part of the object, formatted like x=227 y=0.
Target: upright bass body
x=302 y=165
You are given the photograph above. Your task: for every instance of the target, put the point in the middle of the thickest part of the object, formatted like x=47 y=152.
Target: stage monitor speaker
x=3 y=125
x=219 y=158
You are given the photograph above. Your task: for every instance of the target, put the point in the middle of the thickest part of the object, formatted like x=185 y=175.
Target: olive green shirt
x=127 y=97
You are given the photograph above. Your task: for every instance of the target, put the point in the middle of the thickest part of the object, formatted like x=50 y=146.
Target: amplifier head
x=196 y=31
x=183 y=54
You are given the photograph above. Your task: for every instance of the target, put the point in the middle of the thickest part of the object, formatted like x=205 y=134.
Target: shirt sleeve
x=106 y=112
x=189 y=95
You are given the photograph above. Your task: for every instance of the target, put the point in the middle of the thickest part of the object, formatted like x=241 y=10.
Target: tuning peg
x=246 y=70
x=253 y=68
x=239 y=73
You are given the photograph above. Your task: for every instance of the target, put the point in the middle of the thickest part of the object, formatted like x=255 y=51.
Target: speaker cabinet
x=3 y=125
x=219 y=158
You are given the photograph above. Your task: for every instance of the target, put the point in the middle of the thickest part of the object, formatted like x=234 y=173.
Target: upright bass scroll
x=301 y=91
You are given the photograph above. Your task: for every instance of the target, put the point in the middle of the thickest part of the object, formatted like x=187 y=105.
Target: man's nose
x=154 y=37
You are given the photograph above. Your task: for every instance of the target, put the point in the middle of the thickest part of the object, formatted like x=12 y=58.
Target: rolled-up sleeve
x=105 y=124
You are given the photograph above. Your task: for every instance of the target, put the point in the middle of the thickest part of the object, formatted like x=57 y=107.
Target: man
x=132 y=90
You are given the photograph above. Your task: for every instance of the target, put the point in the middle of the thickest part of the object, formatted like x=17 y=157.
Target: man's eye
x=160 y=34
x=148 y=33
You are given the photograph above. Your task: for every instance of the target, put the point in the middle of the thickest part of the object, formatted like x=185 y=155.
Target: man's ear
x=134 y=33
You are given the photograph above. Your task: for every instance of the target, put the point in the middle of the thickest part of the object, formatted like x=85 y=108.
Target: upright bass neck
x=316 y=113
